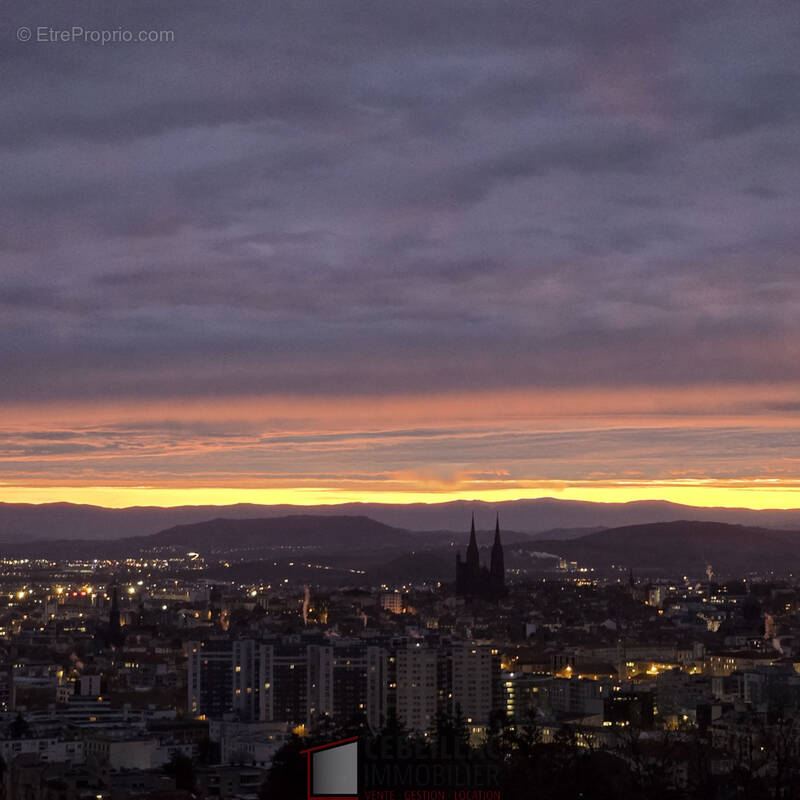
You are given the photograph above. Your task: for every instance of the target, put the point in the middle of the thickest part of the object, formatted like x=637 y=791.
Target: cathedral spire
x=475 y=581
x=472 y=550
x=497 y=569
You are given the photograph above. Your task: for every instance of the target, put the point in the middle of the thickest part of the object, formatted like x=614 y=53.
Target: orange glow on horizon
x=412 y=448
x=760 y=495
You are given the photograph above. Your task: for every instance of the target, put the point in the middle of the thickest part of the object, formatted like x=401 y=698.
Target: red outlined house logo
x=333 y=770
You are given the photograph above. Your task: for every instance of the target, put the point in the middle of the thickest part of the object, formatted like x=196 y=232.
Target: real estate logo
x=398 y=770
x=332 y=770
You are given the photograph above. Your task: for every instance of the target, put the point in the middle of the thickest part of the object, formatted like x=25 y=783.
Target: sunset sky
x=317 y=252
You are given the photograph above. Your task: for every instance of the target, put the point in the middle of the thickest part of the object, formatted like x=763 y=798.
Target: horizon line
x=775 y=498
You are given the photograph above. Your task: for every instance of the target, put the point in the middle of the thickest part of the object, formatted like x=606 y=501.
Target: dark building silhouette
x=474 y=580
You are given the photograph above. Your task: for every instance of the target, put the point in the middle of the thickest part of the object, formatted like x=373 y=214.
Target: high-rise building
x=459 y=678
x=294 y=686
x=298 y=680
x=224 y=678
x=474 y=675
x=359 y=682
x=417 y=693
x=303 y=679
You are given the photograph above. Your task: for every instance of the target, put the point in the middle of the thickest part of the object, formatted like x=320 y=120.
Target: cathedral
x=473 y=580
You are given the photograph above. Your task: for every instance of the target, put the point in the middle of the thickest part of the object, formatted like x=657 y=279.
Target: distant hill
x=258 y=538
x=416 y=568
x=681 y=547
x=24 y=523
x=565 y=533
x=330 y=534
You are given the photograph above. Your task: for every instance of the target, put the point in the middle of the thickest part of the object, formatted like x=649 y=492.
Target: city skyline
x=322 y=253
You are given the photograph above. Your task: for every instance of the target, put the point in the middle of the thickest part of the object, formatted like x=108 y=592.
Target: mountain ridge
x=27 y=522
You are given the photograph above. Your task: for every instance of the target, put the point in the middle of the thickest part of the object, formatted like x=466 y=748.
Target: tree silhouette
x=181 y=769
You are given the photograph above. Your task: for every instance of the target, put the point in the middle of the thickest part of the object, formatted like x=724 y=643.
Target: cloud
x=320 y=200
x=511 y=440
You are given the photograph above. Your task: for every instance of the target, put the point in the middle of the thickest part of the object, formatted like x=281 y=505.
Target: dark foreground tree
x=181 y=770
